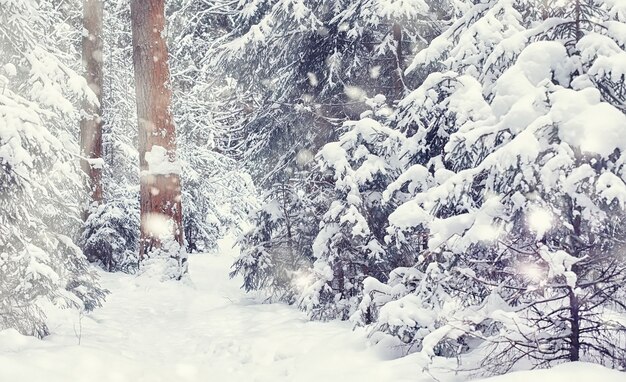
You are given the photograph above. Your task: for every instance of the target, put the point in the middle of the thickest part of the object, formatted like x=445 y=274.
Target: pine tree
x=321 y=60
x=321 y=68
x=276 y=255
x=406 y=305
x=350 y=244
x=40 y=183
x=529 y=219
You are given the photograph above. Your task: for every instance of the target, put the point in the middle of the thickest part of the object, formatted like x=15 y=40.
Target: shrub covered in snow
x=110 y=236
x=276 y=255
x=350 y=243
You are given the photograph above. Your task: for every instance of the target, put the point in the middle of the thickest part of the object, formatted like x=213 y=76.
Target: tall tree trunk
x=91 y=122
x=160 y=191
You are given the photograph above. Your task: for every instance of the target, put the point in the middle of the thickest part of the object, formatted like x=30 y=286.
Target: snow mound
x=570 y=372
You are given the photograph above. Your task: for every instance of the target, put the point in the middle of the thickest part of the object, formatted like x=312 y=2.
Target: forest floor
x=209 y=330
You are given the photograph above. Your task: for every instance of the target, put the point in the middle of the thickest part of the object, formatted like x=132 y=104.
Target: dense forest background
x=446 y=174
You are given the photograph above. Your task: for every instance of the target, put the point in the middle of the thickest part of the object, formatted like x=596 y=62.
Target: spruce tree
x=41 y=187
x=527 y=217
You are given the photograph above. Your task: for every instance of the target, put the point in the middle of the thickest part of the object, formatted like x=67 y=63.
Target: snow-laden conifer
x=41 y=188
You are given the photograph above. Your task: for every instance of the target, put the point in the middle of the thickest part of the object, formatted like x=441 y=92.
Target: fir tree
x=530 y=219
x=40 y=183
x=350 y=244
x=277 y=253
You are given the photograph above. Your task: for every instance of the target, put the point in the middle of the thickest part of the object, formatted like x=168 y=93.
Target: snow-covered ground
x=212 y=331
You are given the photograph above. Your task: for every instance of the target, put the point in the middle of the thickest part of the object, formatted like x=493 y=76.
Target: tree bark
x=91 y=122
x=160 y=190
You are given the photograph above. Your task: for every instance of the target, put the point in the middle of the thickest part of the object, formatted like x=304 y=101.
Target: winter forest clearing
x=305 y=190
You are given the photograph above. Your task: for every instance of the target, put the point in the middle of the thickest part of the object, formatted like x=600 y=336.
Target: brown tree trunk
x=91 y=122
x=160 y=191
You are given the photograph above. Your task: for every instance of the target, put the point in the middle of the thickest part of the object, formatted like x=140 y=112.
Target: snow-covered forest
x=310 y=190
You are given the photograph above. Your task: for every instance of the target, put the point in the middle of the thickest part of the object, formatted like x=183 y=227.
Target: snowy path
x=212 y=331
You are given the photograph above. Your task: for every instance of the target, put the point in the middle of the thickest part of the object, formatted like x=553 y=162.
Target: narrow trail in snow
x=208 y=331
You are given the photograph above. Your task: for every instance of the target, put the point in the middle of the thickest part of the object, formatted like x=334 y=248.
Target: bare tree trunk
x=91 y=122
x=160 y=180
